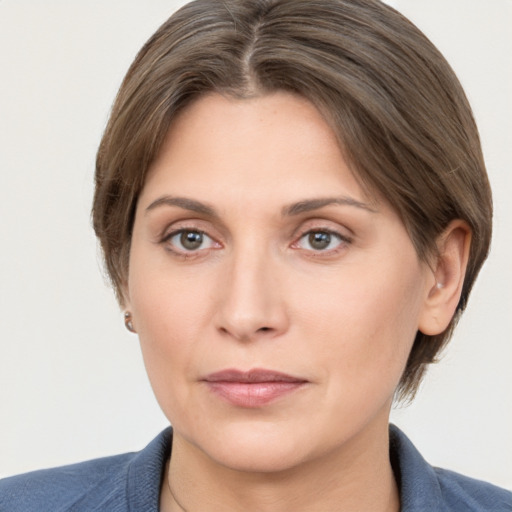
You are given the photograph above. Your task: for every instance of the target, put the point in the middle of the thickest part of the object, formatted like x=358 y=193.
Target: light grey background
x=72 y=383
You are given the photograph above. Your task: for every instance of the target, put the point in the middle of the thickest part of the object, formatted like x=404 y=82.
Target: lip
x=253 y=388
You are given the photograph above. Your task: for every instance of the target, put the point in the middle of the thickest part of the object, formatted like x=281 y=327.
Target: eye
x=189 y=240
x=320 y=240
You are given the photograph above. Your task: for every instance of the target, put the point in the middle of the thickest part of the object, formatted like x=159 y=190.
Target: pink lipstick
x=254 y=388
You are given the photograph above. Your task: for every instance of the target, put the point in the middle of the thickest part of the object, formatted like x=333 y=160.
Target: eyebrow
x=304 y=206
x=309 y=205
x=185 y=203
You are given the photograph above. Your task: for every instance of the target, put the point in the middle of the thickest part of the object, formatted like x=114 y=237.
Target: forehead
x=256 y=146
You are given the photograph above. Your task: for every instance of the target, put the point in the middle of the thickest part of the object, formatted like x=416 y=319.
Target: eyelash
x=343 y=241
x=188 y=254
x=184 y=253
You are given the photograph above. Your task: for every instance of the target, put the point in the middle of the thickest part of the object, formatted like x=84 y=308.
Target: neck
x=357 y=477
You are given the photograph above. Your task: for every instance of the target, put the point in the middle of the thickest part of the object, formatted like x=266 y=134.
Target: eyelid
x=186 y=224
x=335 y=218
x=169 y=234
x=174 y=232
x=344 y=240
x=323 y=224
x=332 y=232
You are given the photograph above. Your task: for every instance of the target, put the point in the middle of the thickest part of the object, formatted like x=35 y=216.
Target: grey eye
x=188 y=240
x=319 y=240
x=191 y=240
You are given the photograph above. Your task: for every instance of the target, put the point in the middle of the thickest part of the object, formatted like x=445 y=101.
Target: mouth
x=253 y=388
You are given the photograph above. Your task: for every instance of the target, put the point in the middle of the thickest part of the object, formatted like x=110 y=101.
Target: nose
x=251 y=301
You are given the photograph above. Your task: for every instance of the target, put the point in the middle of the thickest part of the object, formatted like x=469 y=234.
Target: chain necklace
x=181 y=507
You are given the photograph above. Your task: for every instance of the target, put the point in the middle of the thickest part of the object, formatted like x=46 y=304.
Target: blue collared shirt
x=131 y=483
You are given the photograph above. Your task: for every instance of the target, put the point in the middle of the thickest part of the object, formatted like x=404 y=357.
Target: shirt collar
x=416 y=478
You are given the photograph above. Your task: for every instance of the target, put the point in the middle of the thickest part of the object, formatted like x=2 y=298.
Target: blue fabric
x=425 y=488
x=131 y=482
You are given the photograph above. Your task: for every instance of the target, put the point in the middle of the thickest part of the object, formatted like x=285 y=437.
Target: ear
x=448 y=273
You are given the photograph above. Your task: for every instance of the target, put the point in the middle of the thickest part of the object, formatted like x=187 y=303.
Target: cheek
x=364 y=323
x=170 y=312
x=168 y=301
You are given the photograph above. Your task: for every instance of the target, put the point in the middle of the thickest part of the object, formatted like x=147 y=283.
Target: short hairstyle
x=400 y=114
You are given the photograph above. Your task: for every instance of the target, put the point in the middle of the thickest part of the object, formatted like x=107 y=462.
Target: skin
x=256 y=293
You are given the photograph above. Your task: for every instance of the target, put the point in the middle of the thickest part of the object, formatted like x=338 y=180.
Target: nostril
x=263 y=329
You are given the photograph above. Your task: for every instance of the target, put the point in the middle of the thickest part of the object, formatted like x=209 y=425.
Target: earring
x=128 y=321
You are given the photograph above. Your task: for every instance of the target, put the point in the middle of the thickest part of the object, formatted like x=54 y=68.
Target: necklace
x=181 y=507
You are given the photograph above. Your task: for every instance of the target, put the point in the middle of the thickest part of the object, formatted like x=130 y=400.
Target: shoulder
x=112 y=484
x=61 y=488
x=423 y=487
x=463 y=493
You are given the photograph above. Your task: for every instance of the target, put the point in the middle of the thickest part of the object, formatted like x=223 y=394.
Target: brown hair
x=401 y=116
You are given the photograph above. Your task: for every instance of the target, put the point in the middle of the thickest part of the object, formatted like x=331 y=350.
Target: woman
x=293 y=208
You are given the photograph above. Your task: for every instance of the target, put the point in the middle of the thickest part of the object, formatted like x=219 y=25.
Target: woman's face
x=276 y=305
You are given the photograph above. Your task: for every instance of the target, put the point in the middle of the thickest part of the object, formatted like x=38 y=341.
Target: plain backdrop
x=72 y=382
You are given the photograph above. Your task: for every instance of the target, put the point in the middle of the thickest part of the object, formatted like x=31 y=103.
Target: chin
x=263 y=457
x=256 y=448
